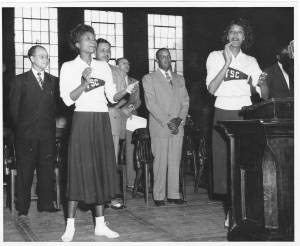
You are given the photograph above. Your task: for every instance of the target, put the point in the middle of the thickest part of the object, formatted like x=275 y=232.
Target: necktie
x=169 y=78
x=40 y=80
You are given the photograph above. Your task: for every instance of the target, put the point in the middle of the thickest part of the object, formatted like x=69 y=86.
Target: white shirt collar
x=35 y=72
x=238 y=55
x=164 y=72
x=285 y=75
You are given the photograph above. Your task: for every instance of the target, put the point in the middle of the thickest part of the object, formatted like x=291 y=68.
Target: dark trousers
x=35 y=154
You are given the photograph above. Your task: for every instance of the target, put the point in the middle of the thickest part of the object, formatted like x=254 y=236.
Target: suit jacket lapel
x=33 y=81
x=163 y=83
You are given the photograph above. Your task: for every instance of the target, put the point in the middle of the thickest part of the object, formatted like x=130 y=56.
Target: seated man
x=279 y=81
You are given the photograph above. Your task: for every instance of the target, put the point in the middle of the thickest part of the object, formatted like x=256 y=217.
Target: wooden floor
x=198 y=220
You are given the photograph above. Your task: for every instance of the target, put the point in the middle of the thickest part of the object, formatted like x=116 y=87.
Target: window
x=36 y=26
x=165 y=31
x=107 y=25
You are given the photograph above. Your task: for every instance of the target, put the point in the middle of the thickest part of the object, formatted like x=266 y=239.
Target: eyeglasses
x=42 y=57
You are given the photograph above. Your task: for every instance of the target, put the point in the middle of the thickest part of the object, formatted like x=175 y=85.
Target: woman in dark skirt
x=92 y=170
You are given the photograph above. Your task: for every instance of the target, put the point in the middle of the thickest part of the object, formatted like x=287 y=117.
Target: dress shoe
x=50 y=210
x=176 y=201
x=159 y=203
x=117 y=204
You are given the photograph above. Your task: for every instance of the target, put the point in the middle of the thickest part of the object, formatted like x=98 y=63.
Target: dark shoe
x=176 y=201
x=50 y=210
x=159 y=203
x=117 y=204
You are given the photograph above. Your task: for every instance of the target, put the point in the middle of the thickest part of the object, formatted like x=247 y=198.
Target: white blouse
x=93 y=100
x=234 y=91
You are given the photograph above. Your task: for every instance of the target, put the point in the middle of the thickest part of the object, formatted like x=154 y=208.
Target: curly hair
x=244 y=23
x=77 y=32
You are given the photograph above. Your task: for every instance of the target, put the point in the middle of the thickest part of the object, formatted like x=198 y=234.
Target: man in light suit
x=279 y=81
x=167 y=100
x=103 y=53
x=132 y=104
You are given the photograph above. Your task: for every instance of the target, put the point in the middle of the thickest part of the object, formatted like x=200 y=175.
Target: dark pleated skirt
x=92 y=172
x=220 y=149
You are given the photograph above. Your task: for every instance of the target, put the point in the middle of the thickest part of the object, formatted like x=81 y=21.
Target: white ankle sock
x=70 y=230
x=101 y=229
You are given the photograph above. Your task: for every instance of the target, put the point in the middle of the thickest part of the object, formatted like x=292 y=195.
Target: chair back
x=142 y=142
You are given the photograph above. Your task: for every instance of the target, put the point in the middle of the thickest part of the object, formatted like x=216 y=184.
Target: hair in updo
x=77 y=32
x=244 y=23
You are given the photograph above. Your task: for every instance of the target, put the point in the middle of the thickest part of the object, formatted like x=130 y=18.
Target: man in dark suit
x=279 y=81
x=33 y=98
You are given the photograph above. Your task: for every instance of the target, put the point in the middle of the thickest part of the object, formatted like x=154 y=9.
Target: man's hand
x=174 y=124
x=132 y=87
x=126 y=111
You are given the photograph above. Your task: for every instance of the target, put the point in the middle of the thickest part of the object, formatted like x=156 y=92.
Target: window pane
x=111 y=29
x=19 y=71
x=27 y=36
x=103 y=29
x=45 y=25
x=45 y=37
x=113 y=52
x=150 y=43
x=119 y=40
x=179 y=66
x=44 y=13
x=103 y=16
x=172 y=21
x=179 y=44
x=150 y=20
x=27 y=24
x=164 y=20
x=18 y=24
x=171 y=44
x=119 y=17
x=53 y=38
x=171 y=32
x=18 y=12
x=179 y=55
x=151 y=54
x=53 y=50
x=36 y=13
x=111 y=39
x=36 y=37
x=27 y=63
x=19 y=61
x=19 y=49
x=53 y=13
x=111 y=17
x=179 y=21
x=119 y=29
x=173 y=64
x=54 y=61
x=27 y=12
x=178 y=32
x=151 y=65
x=95 y=15
x=173 y=54
x=163 y=42
x=150 y=31
x=26 y=48
x=36 y=25
x=119 y=52
x=54 y=72
x=87 y=15
x=18 y=36
x=53 y=25
x=157 y=20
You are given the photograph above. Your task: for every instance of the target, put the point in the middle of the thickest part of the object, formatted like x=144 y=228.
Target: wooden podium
x=261 y=173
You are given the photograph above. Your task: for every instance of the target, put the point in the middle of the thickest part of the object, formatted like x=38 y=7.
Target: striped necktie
x=169 y=78
x=40 y=80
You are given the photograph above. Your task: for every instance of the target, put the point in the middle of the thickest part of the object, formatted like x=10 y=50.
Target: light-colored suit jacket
x=165 y=102
x=114 y=112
